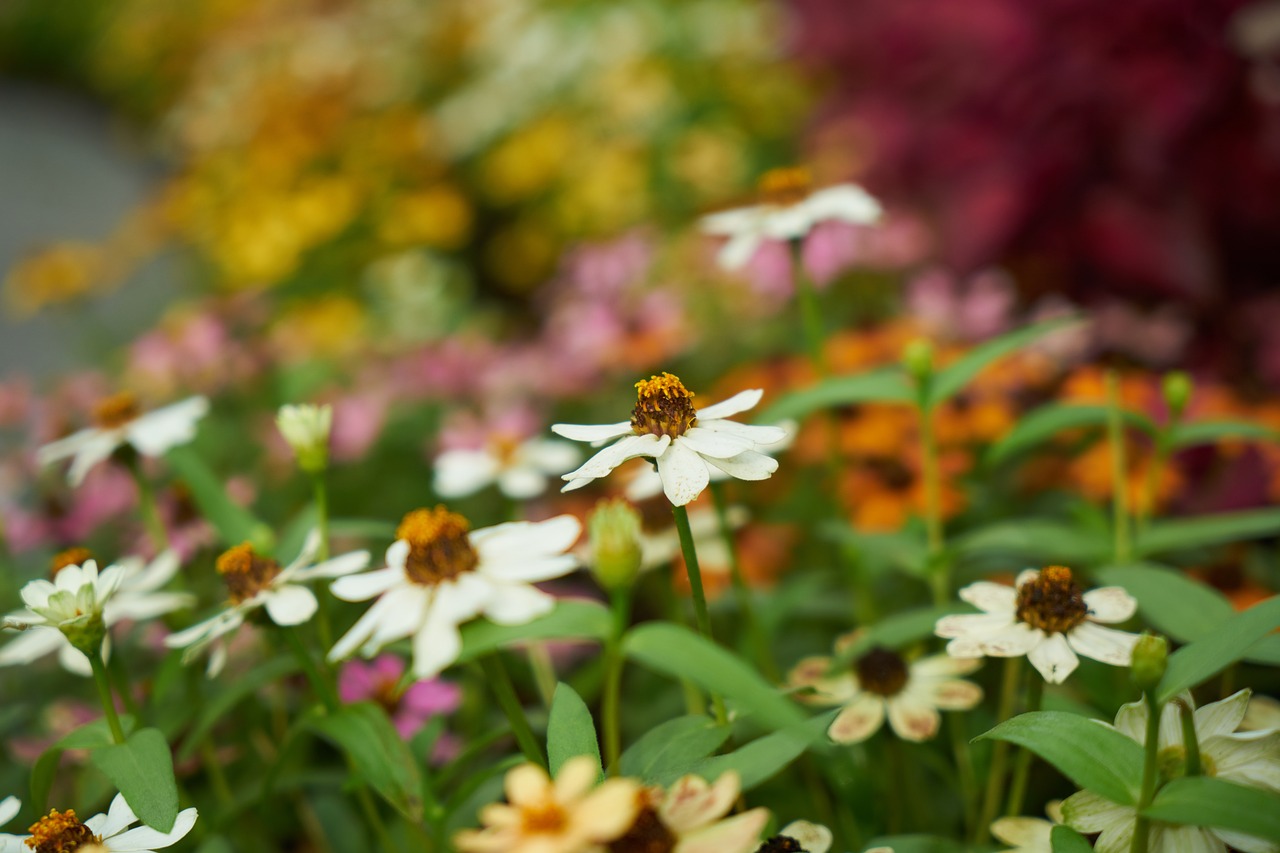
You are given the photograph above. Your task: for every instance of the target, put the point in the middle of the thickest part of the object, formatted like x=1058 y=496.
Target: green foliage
x=365 y=734
x=1184 y=534
x=952 y=379
x=89 y=736
x=1066 y=840
x=1227 y=643
x=571 y=620
x=880 y=386
x=763 y=758
x=234 y=523
x=1217 y=803
x=571 y=731
x=672 y=749
x=141 y=768
x=1046 y=422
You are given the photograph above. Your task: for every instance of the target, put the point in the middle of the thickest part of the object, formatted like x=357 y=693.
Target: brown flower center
x=882 y=671
x=648 y=834
x=781 y=844
x=1053 y=602
x=116 y=410
x=439 y=548
x=60 y=833
x=246 y=573
x=69 y=557
x=785 y=187
x=663 y=407
x=543 y=819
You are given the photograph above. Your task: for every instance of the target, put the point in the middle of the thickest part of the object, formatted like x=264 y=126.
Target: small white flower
x=686 y=443
x=257 y=582
x=812 y=837
x=788 y=212
x=9 y=807
x=1246 y=758
x=71 y=605
x=120 y=423
x=137 y=597
x=1047 y=618
x=881 y=685
x=521 y=469
x=110 y=831
x=306 y=429
x=439 y=574
x=646 y=483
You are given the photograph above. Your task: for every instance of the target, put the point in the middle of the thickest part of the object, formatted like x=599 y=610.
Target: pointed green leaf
x=1211 y=432
x=570 y=729
x=763 y=758
x=571 y=620
x=671 y=750
x=1171 y=602
x=1066 y=840
x=1181 y=534
x=234 y=523
x=1228 y=643
x=918 y=844
x=898 y=630
x=1217 y=803
x=1042 y=424
x=367 y=737
x=952 y=378
x=888 y=385
x=141 y=769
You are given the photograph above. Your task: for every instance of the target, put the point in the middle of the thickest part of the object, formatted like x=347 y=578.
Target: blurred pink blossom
x=378 y=681
x=969 y=309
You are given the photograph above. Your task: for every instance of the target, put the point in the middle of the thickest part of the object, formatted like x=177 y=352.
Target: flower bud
x=613 y=528
x=1150 y=657
x=1177 y=391
x=917 y=358
x=306 y=428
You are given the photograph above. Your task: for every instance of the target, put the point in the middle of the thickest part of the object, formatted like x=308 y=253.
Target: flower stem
x=810 y=310
x=324 y=689
x=1119 y=470
x=108 y=702
x=1151 y=752
x=495 y=673
x=611 y=704
x=693 y=703
x=740 y=588
x=1190 y=741
x=939 y=569
x=147 y=504
x=544 y=671
x=699 y=597
x=1022 y=767
x=999 y=752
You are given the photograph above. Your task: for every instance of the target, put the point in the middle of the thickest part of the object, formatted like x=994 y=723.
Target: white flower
x=1046 y=618
x=520 y=469
x=812 y=837
x=690 y=815
x=686 y=443
x=439 y=575
x=120 y=423
x=1246 y=758
x=646 y=483
x=110 y=831
x=1029 y=834
x=72 y=604
x=880 y=685
x=9 y=807
x=137 y=597
x=306 y=429
x=788 y=212
x=256 y=582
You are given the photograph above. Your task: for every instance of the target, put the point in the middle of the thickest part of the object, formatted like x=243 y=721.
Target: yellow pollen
x=1053 y=602
x=116 y=410
x=69 y=557
x=246 y=573
x=785 y=187
x=439 y=548
x=546 y=819
x=60 y=833
x=663 y=407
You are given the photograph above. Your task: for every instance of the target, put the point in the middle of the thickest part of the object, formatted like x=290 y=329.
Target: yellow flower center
x=785 y=187
x=246 y=573
x=648 y=834
x=60 y=833
x=663 y=407
x=1053 y=602
x=439 y=548
x=69 y=557
x=546 y=818
x=116 y=410
x=882 y=672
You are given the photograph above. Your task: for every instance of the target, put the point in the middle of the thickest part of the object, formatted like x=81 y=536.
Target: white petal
x=787 y=223
x=522 y=483
x=524 y=540
x=1103 y=644
x=991 y=597
x=209 y=629
x=290 y=605
x=1053 y=658
x=913 y=721
x=398 y=553
x=1090 y=813
x=1246 y=843
x=463 y=472
x=366 y=586
x=615 y=454
x=750 y=465
x=156 y=574
x=35 y=594
x=684 y=474
x=156 y=432
x=1222 y=717
x=74 y=661
x=592 y=432
x=757 y=435
x=139 y=608
x=118 y=816
x=1110 y=604
x=711 y=443
x=1190 y=839
x=813 y=837
x=464 y=597
x=549 y=455
x=845 y=202
x=340 y=566
x=1029 y=832
x=740 y=402
x=64 y=447
x=531 y=571
x=400 y=617
x=858 y=721
x=436 y=645
x=516 y=604
x=9 y=807
x=731 y=835
x=1131 y=721
x=144 y=838
x=734 y=221
x=98 y=448
x=31 y=645
x=738 y=250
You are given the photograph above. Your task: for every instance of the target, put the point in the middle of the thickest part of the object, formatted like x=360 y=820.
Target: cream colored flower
x=64 y=832
x=72 y=604
x=799 y=835
x=880 y=685
x=570 y=815
x=306 y=429
x=1029 y=834
x=1047 y=618
x=690 y=818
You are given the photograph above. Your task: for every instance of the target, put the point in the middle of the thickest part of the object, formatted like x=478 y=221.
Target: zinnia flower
x=72 y=604
x=686 y=443
x=690 y=818
x=1047 y=618
x=62 y=832
x=520 y=468
x=306 y=430
x=570 y=815
x=439 y=575
x=881 y=684
x=119 y=422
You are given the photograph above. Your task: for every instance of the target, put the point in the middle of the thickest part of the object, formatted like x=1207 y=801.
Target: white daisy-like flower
x=254 y=582
x=1047 y=618
x=646 y=482
x=689 y=817
x=9 y=808
x=1246 y=758
x=519 y=468
x=881 y=684
x=71 y=605
x=439 y=574
x=685 y=442
x=120 y=422
x=65 y=833
x=137 y=597
x=788 y=211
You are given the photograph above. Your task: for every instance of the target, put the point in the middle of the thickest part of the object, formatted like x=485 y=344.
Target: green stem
x=323 y=687
x=320 y=489
x=104 y=693
x=147 y=504
x=499 y=681
x=740 y=589
x=217 y=777
x=999 y=752
x=611 y=705
x=964 y=768
x=1151 y=752
x=810 y=310
x=693 y=703
x=544 y=671
x=1190 y=741
x=120 y=680
x=939 y=570
x=699 y=597
x=371 y=814
x=1022 y=767
x=1119 y=469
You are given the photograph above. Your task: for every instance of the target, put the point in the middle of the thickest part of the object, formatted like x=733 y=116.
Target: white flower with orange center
x=686 y=443
x=255 y=581
x=788 y=210
x=63 y=832
x=570 y=815
x=440 y=574
x=690 y=818
x=519 y=467
x=882 y=685
x=1046 y=617
x=120 y=421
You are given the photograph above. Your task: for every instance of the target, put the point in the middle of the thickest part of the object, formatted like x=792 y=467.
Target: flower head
x=72 y=604
x=500 y=450
x=306 y=429
x=799 y=836
x=685 y=442
x=64 y=832
x=120 y=421
x=1046 y=617
x=690 y=817
x=440 y=574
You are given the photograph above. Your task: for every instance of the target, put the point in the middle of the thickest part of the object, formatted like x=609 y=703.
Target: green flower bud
x=1150 y=657
x=1177 y=391
x=613 y=529
x=917 y=358
x=306 y=428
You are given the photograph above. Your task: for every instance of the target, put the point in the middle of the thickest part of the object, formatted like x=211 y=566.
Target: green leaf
x=236 y=692
x=1033 y=540
x=571 y=620
x=679 y=652
x=234 y=523
x=764 y=757
x=571 y=731
x=95 y=734
x=1088 y=753
x=365 y=734
x=1205 y=801
x=897 y=631
x=671 y=750
x=141 y=769
x=887 y=385
x=952 y=379
x=364 y=528
x=1227 y=643
x=918 y=844
x=1180 y=534
x=1044 y=423
x=1066 y=840
x=1211 y=432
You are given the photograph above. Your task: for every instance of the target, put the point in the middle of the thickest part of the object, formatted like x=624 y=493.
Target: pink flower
x=971 y=309
x=378 y=680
